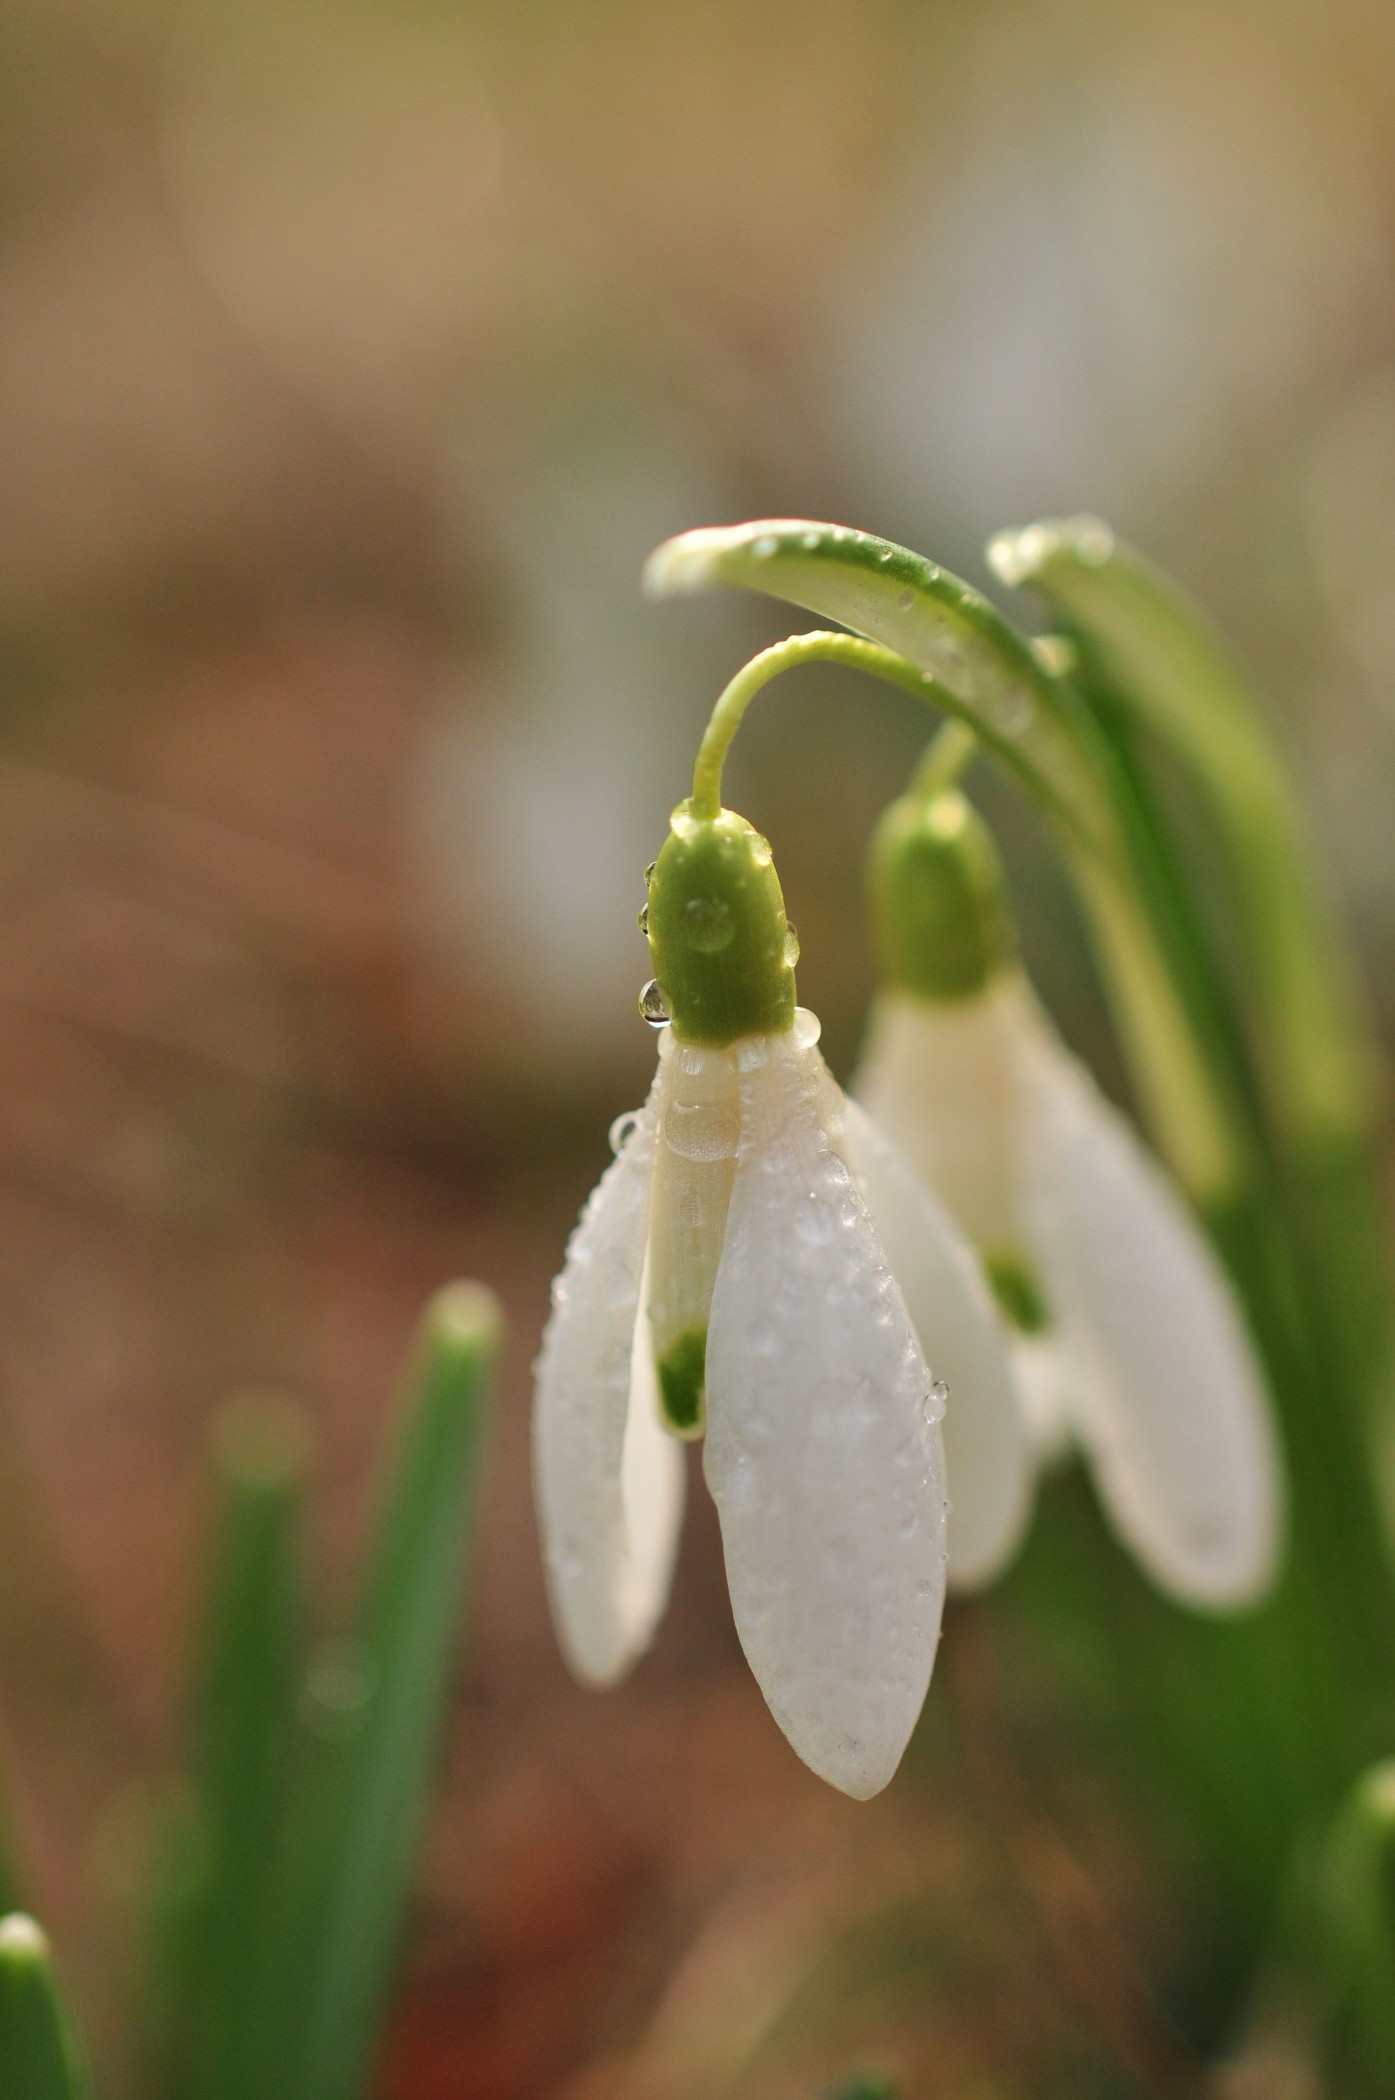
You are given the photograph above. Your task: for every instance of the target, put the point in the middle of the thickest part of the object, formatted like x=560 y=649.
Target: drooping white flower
x=1134 y=1345
x=759 y=1264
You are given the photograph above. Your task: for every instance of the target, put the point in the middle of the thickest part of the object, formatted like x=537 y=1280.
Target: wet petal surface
x=987 y=1449
x=823 y=1452
x=1162 y=1382
x=607 y=1480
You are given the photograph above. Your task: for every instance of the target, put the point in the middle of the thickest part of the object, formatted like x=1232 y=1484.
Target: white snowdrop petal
x=1042 y=1372
x=1162 y=1382
x=941 y=1081
x=653 y=1479
x=988 y=1456
x=607 y=1481
x=822 y=1455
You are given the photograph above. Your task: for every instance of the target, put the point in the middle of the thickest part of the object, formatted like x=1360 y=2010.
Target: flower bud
x=723 y=951
x=938 y=900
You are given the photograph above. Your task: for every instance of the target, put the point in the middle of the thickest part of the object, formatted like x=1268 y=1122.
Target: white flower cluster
x=756 y=1210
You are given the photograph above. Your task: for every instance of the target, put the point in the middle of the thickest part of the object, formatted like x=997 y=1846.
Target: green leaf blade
x=382 y=1697
x=40 y=2055
x=1158 y=656
x=244 y=1711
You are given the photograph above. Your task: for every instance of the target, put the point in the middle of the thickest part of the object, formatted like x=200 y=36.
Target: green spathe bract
x=718 y=935
x=942 y=922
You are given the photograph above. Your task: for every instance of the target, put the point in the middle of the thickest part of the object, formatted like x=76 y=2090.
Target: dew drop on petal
x=702 y=1130
x=643 y=920
x=649 y=873
x=791 y=946
x=653 y=1004
x=765 y=546
x=807 y=1029
x=933 y=1406
x=809 y=539
x=622 y=1130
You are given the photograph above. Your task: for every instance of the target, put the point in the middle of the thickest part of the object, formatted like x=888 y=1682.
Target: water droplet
x=886 y=554
x=765 y=546
x=906 y=600
x=932 y=1407
x=1094 y=542
x=707 y=924
x=702 y=1130
x=1056 y=654
x=622 y=1130
x=760 y=851
x=643 y=920
x=649 y=873
x=791 y=946
x=808 y=539
x=1014 y=710
x=653 y=1004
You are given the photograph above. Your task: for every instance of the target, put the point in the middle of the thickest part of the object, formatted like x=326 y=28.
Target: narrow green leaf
x=376 y=1702
x=1032 y=719
x=1149 y=658
x=243 y=1716
x=868 y=2085
x=1355 y=1919
x=1157 y=654
x=40 y=2056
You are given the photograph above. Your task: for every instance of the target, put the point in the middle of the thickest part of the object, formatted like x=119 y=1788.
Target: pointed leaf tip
x=39 y=2054
x=23 y=1943
x=260 y=1441
x=465 y=1319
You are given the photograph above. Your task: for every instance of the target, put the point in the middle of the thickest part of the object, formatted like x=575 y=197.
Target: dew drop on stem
x=653 y=1004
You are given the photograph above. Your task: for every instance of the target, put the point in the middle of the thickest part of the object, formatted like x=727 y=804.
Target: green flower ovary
x=718 y=936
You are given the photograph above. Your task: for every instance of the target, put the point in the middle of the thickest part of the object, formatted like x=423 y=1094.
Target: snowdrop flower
x=1130 y=1342
x=758 y=1266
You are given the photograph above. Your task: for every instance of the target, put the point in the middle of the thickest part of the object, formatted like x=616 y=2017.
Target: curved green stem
x=820 y=646
x=951 y=752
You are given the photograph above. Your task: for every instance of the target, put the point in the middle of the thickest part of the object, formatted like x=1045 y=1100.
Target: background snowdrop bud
x=939 y=909
x=1128 y=1340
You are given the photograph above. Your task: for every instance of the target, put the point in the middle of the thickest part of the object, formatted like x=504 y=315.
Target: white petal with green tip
x=822 y=1453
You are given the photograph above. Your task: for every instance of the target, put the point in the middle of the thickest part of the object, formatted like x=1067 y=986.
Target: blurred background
x=352 y=357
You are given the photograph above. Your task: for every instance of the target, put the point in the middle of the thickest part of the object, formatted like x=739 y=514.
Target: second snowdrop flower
x=1129 y=1339
x=735 y=1276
